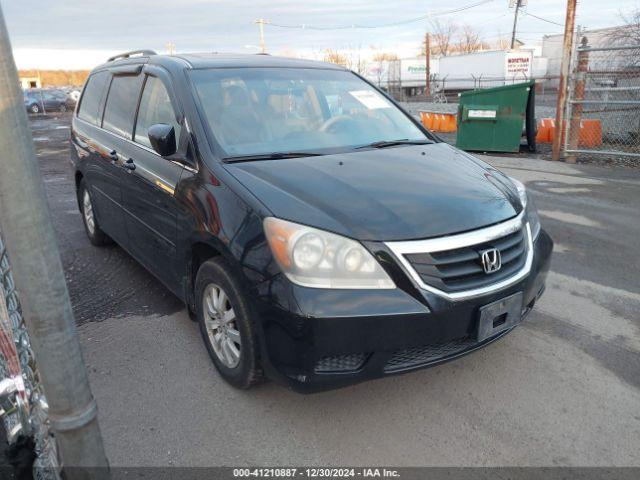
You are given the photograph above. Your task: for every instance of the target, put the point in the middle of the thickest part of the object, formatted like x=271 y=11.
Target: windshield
x=259 y=111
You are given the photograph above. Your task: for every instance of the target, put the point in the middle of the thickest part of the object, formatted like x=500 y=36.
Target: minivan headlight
x=531 y=213
x=318 y=259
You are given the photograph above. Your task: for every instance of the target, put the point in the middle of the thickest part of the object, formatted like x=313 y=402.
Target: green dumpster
x=491 y=119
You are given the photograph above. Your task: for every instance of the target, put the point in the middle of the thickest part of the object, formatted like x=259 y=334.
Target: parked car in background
x=41 y=101
x=74 y=95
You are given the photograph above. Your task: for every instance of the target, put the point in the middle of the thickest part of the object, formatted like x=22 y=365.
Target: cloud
x=218 y=25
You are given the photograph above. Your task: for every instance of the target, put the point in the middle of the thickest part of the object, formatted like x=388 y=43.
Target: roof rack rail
x=143 y=53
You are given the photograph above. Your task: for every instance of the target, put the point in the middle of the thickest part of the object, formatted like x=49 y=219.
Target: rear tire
x=96 y=236
x=34 y=108
x=227 y=323
x=63 y=108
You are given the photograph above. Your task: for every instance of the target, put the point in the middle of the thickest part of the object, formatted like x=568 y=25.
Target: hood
x=398 y=193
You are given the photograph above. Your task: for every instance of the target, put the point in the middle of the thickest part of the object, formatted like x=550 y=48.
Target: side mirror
x=163 y=139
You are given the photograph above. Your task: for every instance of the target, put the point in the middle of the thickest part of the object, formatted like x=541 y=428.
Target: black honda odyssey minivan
x=317 y=232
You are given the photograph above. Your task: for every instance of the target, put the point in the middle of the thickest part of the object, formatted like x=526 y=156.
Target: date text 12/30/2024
x=315 y=472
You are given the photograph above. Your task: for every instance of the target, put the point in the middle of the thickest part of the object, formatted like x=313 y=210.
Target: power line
x=543 y=19
x=383 y=25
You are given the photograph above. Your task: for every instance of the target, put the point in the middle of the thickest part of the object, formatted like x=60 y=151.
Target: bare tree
x=350 y=58
x=468 y=40
x=334 y=56
x=355 y=60
x=627 y=35
x=442 y=38
x=502 y=43
x=629 y=32
x=381 y=60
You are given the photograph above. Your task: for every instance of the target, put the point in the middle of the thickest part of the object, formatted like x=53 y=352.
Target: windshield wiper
x=393 y=143
x=271 y=156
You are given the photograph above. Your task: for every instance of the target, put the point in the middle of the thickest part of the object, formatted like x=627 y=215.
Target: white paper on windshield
x=370 y=99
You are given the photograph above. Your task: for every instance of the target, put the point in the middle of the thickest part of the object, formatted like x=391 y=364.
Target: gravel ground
x=111 y=293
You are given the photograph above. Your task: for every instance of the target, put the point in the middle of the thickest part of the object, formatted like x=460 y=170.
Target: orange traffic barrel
x=439 y=122
x=545 y=130
x=427 y=119
x=436 y=126
x=590 y=133
x=451 y=122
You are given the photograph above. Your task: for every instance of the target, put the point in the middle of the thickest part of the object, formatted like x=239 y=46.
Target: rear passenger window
x=155 y=107
x=121 y=104
x=90 y=101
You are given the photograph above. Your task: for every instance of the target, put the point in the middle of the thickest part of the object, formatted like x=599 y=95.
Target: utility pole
x=262 y=22
x=171 y=48
x=567 y=47
x=30 y=239
x=427 y=55
x=515 y=24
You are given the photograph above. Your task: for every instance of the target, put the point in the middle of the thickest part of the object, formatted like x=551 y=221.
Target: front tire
x=34 y=108
x=227 y=323
x=96 y=236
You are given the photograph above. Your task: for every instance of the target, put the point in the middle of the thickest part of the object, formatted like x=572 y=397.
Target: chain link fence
x=603 y=110
x=23 y=407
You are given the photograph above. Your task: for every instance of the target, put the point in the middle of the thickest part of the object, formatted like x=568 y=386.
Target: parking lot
x=562 y=389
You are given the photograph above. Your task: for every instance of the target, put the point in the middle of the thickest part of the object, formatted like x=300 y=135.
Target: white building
x=30 y=82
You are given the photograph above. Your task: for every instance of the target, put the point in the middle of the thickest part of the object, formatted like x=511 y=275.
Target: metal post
x=564 y=73
x=568 y=104
x=427 y=54
x=30 y=239
x=44 y=108
x=515 y=24
x=578 y=95
x=261 y=22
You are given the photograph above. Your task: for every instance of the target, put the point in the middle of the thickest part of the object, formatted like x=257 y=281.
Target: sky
x=79 y=34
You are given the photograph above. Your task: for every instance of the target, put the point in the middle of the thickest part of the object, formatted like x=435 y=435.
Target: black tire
x=220 y=273
x=34 y=108
x=96 y=236
x=63 y=107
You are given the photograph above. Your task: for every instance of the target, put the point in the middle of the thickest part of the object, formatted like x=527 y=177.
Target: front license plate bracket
x=498 y=316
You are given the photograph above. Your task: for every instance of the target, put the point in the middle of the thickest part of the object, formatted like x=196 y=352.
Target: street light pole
x=261 y=22
x=28 y=230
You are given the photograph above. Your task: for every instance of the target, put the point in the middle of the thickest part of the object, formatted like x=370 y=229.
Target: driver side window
x=155 y=107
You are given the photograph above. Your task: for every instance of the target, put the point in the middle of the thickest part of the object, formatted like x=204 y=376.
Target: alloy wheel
x=87 y=210
x=221 y=326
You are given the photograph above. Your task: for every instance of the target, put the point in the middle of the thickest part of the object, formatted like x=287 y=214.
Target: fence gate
x=603 y=105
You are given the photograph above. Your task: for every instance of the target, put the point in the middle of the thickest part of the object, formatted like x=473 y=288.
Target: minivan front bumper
x=310 y=344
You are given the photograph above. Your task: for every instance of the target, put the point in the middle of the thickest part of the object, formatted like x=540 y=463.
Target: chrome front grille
x=461 y=269
x=451 y=266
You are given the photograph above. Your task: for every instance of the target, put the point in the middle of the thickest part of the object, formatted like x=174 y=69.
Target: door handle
x=129 y=165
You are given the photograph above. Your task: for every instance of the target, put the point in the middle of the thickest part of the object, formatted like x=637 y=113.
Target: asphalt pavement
x=561 y=389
